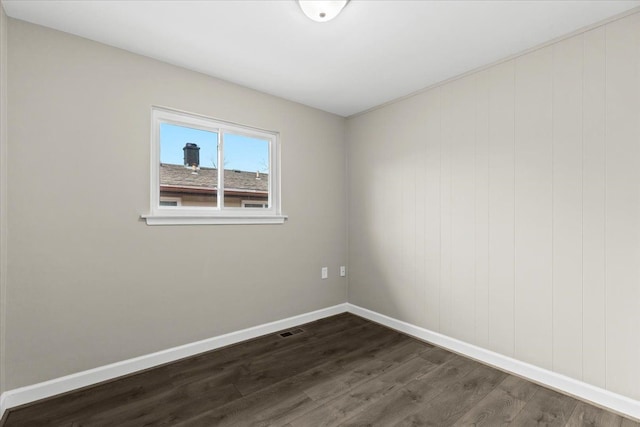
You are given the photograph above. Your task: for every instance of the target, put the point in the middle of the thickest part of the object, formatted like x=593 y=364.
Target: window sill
x=213 y=220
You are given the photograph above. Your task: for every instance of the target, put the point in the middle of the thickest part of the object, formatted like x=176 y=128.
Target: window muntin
x=186 y=152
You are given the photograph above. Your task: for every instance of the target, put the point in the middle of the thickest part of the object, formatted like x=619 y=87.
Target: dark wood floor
x=343 y=370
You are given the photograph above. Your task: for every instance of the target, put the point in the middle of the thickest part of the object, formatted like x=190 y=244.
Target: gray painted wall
x=89 y=283
x=503 y=208
x=3 y=186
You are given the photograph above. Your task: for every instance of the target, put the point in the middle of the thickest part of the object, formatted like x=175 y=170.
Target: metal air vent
x=291 y=332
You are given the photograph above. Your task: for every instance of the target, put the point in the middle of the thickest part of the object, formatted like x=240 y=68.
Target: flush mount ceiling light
x=322 y=10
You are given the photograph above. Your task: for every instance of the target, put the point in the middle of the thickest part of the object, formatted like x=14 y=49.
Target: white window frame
x=172 y=215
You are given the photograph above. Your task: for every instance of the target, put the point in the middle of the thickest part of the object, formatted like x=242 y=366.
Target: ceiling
x=373 y=52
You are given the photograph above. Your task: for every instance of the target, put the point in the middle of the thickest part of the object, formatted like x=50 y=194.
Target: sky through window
x=240 y=152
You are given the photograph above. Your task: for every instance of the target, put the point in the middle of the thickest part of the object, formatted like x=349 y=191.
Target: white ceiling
x=373 y=52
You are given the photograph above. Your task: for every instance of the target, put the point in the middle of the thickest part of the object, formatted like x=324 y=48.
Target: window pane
x=188 y=165
x=246 y=171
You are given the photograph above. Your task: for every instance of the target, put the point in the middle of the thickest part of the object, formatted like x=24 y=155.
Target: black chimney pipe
x=191 y=155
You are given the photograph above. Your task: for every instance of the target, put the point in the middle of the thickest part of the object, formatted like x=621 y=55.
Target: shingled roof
x=179 y=177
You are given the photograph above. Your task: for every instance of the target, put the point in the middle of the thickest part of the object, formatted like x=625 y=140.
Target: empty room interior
x=305 y=213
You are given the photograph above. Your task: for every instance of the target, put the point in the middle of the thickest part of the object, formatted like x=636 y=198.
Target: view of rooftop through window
x=189 y=172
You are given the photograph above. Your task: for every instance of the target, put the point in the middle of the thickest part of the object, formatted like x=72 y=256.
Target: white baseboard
x=28 y=394
x=598 y=396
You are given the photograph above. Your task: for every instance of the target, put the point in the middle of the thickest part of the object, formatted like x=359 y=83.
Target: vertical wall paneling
x=501 y=208
x=567 y=206
x=387 y=183
x=482 y=209
x=533 y=208
x=593 y=200
x=462 y=209
x=405 y=142
x=432 y=216
x=394 y=180
x=419 y=153
x=516 y=212
x=622 y=207
x=447 y=122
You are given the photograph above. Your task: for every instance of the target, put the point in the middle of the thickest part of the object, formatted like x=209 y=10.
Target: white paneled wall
x=622 y=210
x=533 y=207
x=567 y=206
x=503 y=208
x=593 y=212
x=481 y=209
x=432 y=139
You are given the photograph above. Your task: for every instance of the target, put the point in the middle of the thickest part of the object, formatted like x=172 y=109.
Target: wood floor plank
x=437 y=355
x=386 y=407
x=519 y=388
x=409 y=350
x=341 y=383
x=356 y=400
x=589 y=416
x=386 y=360
x=585 y=415
x=458 y=398
x=546 y=408
x=498 y=408
x=174 y=407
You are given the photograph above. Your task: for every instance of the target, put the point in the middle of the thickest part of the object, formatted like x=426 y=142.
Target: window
x=206 y=171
